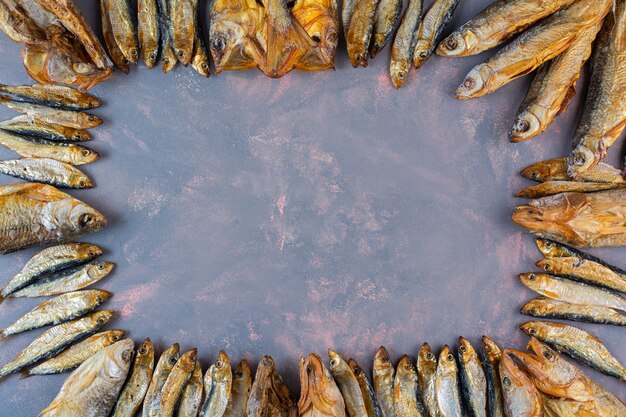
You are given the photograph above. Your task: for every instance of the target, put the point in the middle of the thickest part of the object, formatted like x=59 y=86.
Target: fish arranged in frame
x=473 y=379
x=372 y=406
x=431 y=27
x=319 y=393
x=217 y=386
x=29 y=126
x=165 y=364
x=270 y=396
x=348 y=385
x=404 y=43
x=132 y=395
x=174 y=385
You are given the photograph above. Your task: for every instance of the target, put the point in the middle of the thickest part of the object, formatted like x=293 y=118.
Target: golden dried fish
x=73 y=356
x=359 y=33
x=534 y=47
x=176 y=381
x=404 y=43
x=319 y=395
x=123 y=25
x=47 y=171
x=386 y=19
x=556 y=170
x=473 y=379
x=585 y=270
x=553 y=87
x=57 y=310
x=426 y=378
x=200 y=56
x=447 y=385
x=492 y=356
x=576 y=343
x=56 y=339
x=560 y=407
x=91 y=390
x=68 y=153
x=268 y=395
x=604 y=113
x=183 y=21
x=168 y=56
x=191 y=400
x=68 y=280
x=348 y=385
x=240 y=391
x=40 y=214
x=152 y=401
x=605 y=402
x=405 y=387
x=222 y=380
x=52 y=96
x=121 y=62
x=430 y=28
x=367 y=390
x=49 y=261
x=547 y=308
x=148 y=30
x=578 y=219
x=383 y=374
x=68 y=118
x=495 y=24
x=134 y=391
x=19 y=27
x=521 y=398
x=320 y=20
x=549 y=188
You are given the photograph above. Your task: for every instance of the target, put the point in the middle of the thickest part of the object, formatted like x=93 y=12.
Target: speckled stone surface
x=320 y=210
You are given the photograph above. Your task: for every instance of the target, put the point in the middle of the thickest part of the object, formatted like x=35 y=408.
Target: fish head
x=86 y=251
x=534 y=280
x=422 y=52
x=406 y=370
x=318 y=389
x=536 y=307
x=382 y=363
x=520 y=395
x=399 y=72
x=447 y=363
x=242 y=370
x=321 y=25
x=88 y=119
x=466 y=351
x=99 y=270
x=266 y=369
x=546 y=220
x=187 y=361
x=79 y=217
x=426 y=359
x=536 y=172
x=491 y=349
x=356 y=369
x=457 y=43
x=526 y=125
x=335 y=361
x=170 y=356
x=226 y=40
x=534 y=329
x=121 y=355
x=549 y=248
x=114 y=336
x=81 y=135
x=550 y=265
x=79 y=180
x=97 y=297
x=580 y=161
x=475 y=82
x=102 y=317
x=145 y=351
x=222 y=367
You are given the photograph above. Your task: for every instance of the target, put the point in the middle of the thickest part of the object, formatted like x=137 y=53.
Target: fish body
x=58 y=96
x=405 y=402
x=404 y=43
x=447 y=385
x=240 y=390
x=585 y=270
x=176 y=381
x=367 y=390
x=348 y=385
x=268 y=395
x=183 y=20
x=473 y=379
x=383 y=374
x=148 y=31
x=386 y=19
x=319 y=394
x=347 y=10
x=168 y=55
x=69 y=118
x=124 y=28
x=136 y=385
x=426 y=378
x=191 y=399
x=521 y=398
x=46 y=171
x=29 y=126
x=549 y=188
x=492 y=356
x=117 y=55
x=551 y=249
x=547 y=308
x=222 y=380
x=359 y=33
x=200 y=55
x=320 y=20
x=556 y=170
x=68 y=153
x=430 y=29
x=91 y=390
x=152 y=400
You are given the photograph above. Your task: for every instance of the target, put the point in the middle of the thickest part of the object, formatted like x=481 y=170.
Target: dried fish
x=383 y=373
x=547 y=308
x=124 y=28
x=549 y=188
x=426 y=377
x=430 y=29
x=473 y=379
x=386 y=19
x=222 y=379
x=58 y=96
x=347 y=10
x=556 y=170
x=319 y=395
x=405 y=386
x=200 y=56
x=29 y=126
x=148 y=30
x=447 y=385
x=240 y=391
x=367 y=390
x=168 y=56
x=584 y=270
x=320 y=20
x=268 y=395
x=176 y=381
x=68 y=153
x=521 y=398
x=152 y=400
x=46 y=171
x=121 y=62
x=68 y=118
x=136 y=386
x=360 y=31
x=19 y=26
x=191 y=400
x=404 y=43
x=492 y=356
x=183 y=21
x=348 y=385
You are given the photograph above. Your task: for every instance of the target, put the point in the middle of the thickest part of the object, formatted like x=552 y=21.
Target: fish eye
x=532 y=277
x=193 y=358
x=385 y=359
x=309 y=369
x=100 y=299
x=115 y=338
x=430 y=356
x=579 y=159
x=166 y=60
x=316 y=38
x=101 y=320
x=173 y=360
x=506 y=382
x=401 y=75
x=218 y=363
x=523 y=126
x=462 y=349
x=534 y=175
x=549 y=245
x=468 y=83
x=532 y=331
x=85 y=220
x=125 y=61
x=205 y=66
x=532 y=311
x=85 y=152
x=152 y=55
x=143 y=350
x=451 y=44
x=449 y=357
x=238 y=373
x=547 y=267
x=180 y=53
x=126 y=356
x=333 y=363
x=82 y=183
x=134 y=52
x=357 y=371
x=91 y=118
x=547 y=354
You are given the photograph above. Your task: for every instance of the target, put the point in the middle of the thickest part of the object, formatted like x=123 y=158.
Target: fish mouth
x=525 y=127
x=474 y=84
x=522 y=216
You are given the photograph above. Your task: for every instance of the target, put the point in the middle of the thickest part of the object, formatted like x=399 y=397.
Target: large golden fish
x=320 y=20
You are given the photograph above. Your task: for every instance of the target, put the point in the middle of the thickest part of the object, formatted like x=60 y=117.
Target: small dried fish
x=268 y=395
x=405 y=386
x=240 y=391
x=584 y=270
x=222 y=379
x=56 y=339
x=556 y=170
x=58 y=96
x=360 y=31
x=447 y=385
x=183 y=21
x=383 y=373
x=367 y=390
x=388 y=13
x=521 y=398
x=552 y=249
x=432 y=25
x=319 y=395
x=57 y=310
x=547 y=308
x=348 y=385
x=576 y=343
x=176 y=381
x=91 y=390
x=347 y=10
x=124 y=29
x=121 y=62
x=168 y=56
x=549 y=188
x=68 y=153
x=426 y=378
x=404 y=43
x=73 y=356
x=29 y=126
x=152 y=400
x=68 y=118
x=492 y=356
x=148 y=30
x=191 y=400
x=46 y=171
x=200 y=56
x=40 y=214
x=134 y=391
x=473 y=379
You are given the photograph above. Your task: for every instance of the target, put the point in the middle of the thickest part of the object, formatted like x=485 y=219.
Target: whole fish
x=148 y=30
x=56 y=339
x=556 y=170
x=405 y=386
x=200 y=56
x=430 y=29
x=222 y=380
x=320 y=20
x=68 y=153
x=124 y=29
x=348 y=385
x=383 y=374
x=367 y=390
x=347 y=10
x=426 y=378
x=240 y=390
x=492 y=356
x=547 y=308
x=604 y=113
x=46 y=171
x=134 y=391
x=578 y=219
x=494 y=25
x=473 y=379
x=269 y=396
x=319 y=395
x=404 y=43
x=68 y=280
x=537 y=45
x=68 y=118
x=183 y=21
x=572 y=292
x=176 y=381
x=549 y=188
x=30 y=126
x=16 y=23
x=58 y=96
x=584 y=270
x=553 y=87
x=91 y=390
x=168 y=56
x=447 y=385
x=521 y=398
x=73 y=356
x=51 y=260
x=191 y=400
x=40 y=214
x=57 y=310
x=359 y=33
x=576 y=343
x=386 y=19
x=117 y=55
x=152 y=400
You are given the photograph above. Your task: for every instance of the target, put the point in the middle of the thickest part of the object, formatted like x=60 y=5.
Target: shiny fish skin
x=604 y=112
x=57 y=310
x=19 y=26
x=386 y=19
x=152 y=400
x=73 y=356
x=551 y=249
x=268 y=395
x=426 y=378
x=148 y=31
x=492 y=356
x=68 y=280
x=121 y=62
x=183 y=21
x=46 y=171
x=576 y=343
x=319 y=394
x=58 y=96
x=521 y=398
x=535 y=46
x=191 y=400
x=200 y=57
x=584 y=270
x=55 y=339
x=168 y=56
x=347 y=10
x=39 y=213
x=383 y=373
x=240 y=390
x=495 y=24
x=29 y=126
x=49 y=261
x=473 y=379
x=556 y=170
x=360 y=31
x=549 y=188
x=404 y=43
x=91 y=390
x=176 y=381
x=134 y=390
x=547 y=308
x=68 y=153
x=447 y=385
x=367 y=390
x=123 y=27
x=67 y=118
x=430 y=28
x=320 y=20
x=348 y=385
x=405 y=386
x=553 y=87
x=222 y=379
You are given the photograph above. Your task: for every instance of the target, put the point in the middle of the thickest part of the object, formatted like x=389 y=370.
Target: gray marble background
x=320 y=210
